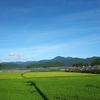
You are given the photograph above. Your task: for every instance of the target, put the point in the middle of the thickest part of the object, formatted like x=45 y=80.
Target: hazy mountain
x=57 y=61
x=11 y=65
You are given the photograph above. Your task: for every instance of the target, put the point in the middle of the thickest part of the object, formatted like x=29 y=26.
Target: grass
x=52 y=86
x=11 y=75
x=54 y=74
x=17 y=90
x=70 y=88
x=21 y=75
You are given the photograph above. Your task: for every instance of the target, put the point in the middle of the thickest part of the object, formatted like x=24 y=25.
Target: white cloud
x=11 y=54
x=51 y=50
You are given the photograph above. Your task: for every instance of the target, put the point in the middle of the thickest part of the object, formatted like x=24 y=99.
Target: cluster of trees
x=47 y=64
x=80 y=64
x=1 y=66
x=96 y=62
x=94 y=69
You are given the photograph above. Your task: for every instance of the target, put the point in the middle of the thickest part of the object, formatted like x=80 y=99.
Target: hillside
x=55 y=62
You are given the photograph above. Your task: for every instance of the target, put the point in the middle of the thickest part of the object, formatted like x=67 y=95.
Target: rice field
x=54 y=74
x=11 y=75
x=49 y=86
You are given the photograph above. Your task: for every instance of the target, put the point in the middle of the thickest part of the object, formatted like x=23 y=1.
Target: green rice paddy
x=49 y=86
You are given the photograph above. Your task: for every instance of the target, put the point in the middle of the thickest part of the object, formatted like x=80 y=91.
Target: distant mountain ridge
x=59 y=60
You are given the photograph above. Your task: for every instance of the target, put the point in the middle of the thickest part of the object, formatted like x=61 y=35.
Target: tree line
x=96 y=62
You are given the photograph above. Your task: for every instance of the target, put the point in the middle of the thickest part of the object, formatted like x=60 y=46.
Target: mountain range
x=57 y=61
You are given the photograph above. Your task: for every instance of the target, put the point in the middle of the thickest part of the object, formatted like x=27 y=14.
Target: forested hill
x=62 y=62
x=70 y=60
x=55 y=62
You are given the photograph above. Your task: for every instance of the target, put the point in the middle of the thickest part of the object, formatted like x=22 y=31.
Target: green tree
x=1 y=66
x=80 y=64
x=96 y=62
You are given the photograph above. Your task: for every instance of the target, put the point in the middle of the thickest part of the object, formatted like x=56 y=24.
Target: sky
x=33 y=30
